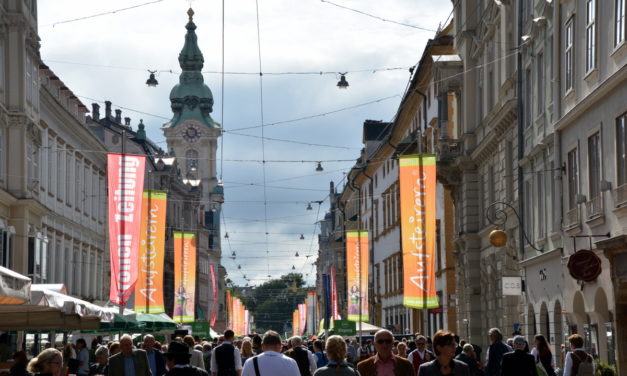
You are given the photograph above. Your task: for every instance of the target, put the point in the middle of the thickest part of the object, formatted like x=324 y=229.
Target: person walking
x=305 y=360
x=351 y=355
x=578 y=362
x=542 y=354
x=495 y=352
x=321 y=357
x=156 y=360
x=82 y=354
x=337 y=365
x=196 y=360
x=20 y=362
x=468 y=356
x=226 y=359
x=518 y=362
x=271 y=362
x=421 y=355
x=177 y=360
x=49 y=363
x=247 y=351
x=129 y=361
x=444 y=364
x=101 y=366
x=384 y=363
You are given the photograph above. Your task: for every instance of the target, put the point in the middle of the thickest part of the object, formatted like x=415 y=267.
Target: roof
x=375 y=130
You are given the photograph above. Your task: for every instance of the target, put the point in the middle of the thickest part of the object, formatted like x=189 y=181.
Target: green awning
x=155 y=322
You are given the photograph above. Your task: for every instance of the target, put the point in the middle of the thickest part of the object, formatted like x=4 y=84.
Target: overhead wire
x=102 y=13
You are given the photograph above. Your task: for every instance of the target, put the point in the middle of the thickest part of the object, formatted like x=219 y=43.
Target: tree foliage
x=273 y=302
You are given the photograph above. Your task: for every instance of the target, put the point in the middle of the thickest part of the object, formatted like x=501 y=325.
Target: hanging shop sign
x=584 y=265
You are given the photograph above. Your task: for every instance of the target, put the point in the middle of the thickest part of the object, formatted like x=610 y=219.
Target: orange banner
x=295 y=323
x=357 y=274
x=229 y=310
x=149 y=286
x=418 y=196
x=184 y=276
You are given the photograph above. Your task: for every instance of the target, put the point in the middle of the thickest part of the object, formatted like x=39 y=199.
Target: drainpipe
x=521 y=141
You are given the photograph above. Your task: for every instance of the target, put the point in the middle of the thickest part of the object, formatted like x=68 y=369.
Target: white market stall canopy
x=14 y=287
x=52 y=310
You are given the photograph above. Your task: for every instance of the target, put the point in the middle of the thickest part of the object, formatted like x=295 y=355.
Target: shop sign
x=345 y=328
x=512 y=286
x=584 y=265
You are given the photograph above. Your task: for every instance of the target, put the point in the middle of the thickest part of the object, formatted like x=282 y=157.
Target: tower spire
x=191 y=99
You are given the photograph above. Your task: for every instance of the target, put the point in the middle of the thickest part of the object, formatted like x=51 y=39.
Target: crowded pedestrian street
x=313 y=188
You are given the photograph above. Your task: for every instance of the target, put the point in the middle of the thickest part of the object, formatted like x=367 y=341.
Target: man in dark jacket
x=495 y=353
x=156 y=360
x=305 y=360
x=518 y=362
x=467 y=356
x=178 y=361
x=226 y=359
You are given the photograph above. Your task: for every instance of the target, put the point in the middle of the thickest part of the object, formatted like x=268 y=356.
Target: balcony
x=594 y=211
x=572 y=221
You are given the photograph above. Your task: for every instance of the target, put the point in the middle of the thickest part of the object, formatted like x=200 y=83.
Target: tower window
x=191 y=160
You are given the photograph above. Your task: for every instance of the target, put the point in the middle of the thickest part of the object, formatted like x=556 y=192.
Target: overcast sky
x=107 y=57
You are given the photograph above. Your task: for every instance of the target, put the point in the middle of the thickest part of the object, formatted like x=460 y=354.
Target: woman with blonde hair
x=337 y=366
x=402 y=349
x=246 y=351
x=48 y=362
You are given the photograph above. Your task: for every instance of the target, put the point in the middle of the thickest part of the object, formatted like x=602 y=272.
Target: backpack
x=582 y=367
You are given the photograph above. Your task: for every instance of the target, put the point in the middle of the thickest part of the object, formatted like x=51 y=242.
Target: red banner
x=302 y=318
x=125 y=175
x=335 y=314
x=214 y=311
x=246 y=322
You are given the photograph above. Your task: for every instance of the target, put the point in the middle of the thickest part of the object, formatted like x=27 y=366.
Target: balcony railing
x=572 y=218
x=594 y=207
x=620 y=196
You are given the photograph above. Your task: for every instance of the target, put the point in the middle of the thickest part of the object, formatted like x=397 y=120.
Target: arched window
x=191 y=160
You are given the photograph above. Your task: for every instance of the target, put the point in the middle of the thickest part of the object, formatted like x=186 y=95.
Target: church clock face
x=191 y=132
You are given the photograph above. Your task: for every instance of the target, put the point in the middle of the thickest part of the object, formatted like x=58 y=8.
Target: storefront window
x=609 y=333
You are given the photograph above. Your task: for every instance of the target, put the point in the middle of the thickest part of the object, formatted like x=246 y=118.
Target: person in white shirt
x=271 y=362
x=197 y=358
x=576 y=344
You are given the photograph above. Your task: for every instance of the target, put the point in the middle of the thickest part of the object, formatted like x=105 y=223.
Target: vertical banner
x=418 y=196
x=326 y=287
x=246 y=322
x=357 y=274
x=125 y=174
x=236 y=315
x=149 y=286
x=335 y=313
x=302 y=322
x=295 y=322
x=311 y=312
x=184 y=276
x=214 y=289
x=229 y=310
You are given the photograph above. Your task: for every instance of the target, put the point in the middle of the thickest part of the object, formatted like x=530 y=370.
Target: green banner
x=200 y=328
x=344 y=328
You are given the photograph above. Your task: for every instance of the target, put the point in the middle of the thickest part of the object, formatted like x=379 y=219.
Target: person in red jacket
x=421 y=354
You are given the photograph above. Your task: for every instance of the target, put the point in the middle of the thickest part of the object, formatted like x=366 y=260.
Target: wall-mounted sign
x=584 y=265
x=512 y=286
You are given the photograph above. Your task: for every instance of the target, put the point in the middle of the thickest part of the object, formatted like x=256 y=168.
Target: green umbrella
x=122 y=323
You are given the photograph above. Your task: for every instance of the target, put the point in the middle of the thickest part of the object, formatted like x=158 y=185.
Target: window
x=5 y=249
x=77 y=187
x=491 y=89
x=594 y=165
x=1 y=69
x=2 y=148
x=573 y=178
x=619 y=22
x=27 y=79
x=541 y=205
x=52 y=177
x=191 y=160
x=540 y=84
x=480 y=95
x=528 y=94
x=528 y=214
x=32 y=160
x=509 y=170
x=590 y=35
x=69 y=171
x=568 y=54
x=621 y=149
x=59 y=154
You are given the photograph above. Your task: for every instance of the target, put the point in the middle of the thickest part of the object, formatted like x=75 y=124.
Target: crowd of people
x=269 y=355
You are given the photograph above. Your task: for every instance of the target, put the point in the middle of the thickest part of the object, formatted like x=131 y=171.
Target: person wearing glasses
x=421 y=355
x=49 y=362
x=385 y=363
x=444 y=346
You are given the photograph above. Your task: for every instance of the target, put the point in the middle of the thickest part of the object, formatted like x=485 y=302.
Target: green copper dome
x=191 y=99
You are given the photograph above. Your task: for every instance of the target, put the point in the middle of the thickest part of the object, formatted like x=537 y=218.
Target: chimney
x=118 y=116
x=107 y=109
x=127 y=121
x=95 y=111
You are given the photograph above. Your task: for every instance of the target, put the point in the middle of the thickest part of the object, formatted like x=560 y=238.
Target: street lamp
x=319 y=167
x=342 y=83
x=152 y=81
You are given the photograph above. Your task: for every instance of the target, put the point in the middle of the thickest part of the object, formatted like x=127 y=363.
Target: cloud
x=305 y=35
